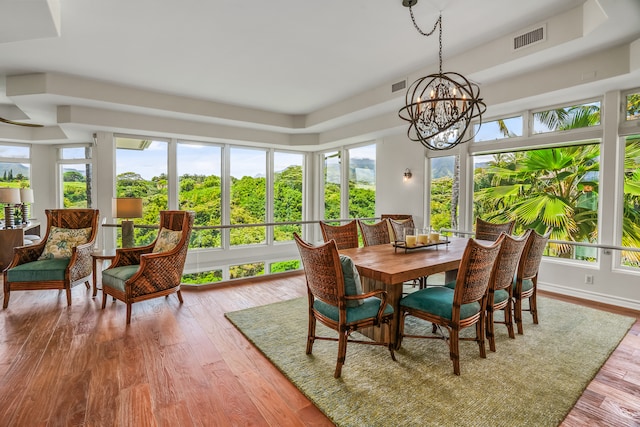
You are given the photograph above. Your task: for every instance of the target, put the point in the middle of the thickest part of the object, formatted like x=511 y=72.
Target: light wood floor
x=187 y=365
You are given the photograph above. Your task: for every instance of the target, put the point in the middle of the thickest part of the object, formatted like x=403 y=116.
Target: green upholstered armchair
x=61 y=260
x=151 y=271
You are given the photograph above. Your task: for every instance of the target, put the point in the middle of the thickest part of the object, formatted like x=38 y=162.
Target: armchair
x=61 y=260
x=151 y=271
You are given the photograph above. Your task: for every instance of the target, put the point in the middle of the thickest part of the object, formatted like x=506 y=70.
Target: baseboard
x=591 y=296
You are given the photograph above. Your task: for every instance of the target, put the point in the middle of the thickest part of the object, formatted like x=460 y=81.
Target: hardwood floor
x=187 y=365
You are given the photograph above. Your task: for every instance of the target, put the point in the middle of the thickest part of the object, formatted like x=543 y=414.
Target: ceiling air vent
x=398 y=86
x=529 y=38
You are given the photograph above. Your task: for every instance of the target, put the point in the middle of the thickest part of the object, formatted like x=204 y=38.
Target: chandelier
x=440 y=107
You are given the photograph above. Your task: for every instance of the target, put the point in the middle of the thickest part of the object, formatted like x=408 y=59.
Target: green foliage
x=73 y=176
x=282 y=266
x=202 y=277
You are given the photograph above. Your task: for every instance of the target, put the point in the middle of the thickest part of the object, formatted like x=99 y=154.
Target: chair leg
x=480 y=336
x=104 y=298
x=86 y=283
x=342 y=354
x=401 y=318
x=68 y=289
x=311 y=334
x=180 y=296
x=517 y=313
x=7 y=293
x=490 y=330
x=454 y=351
x=533 y=306
x=128 y=313
x=508 y=318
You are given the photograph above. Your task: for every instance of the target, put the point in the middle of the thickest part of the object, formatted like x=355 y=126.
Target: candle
x=411 y=241
x=434 y=237
x=423 y=239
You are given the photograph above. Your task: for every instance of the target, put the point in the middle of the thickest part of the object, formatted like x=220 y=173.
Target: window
x=76 y=176
x=248 y=195
x=566 y=118
x=551 y=188
x=15 y=168
x=445 y=176
x=362 y=182
x=199 y=189
x=499 y=129
x=141 y=171
x=287 y=194
x=631 y=202
x=332 y=178
x=633 y=106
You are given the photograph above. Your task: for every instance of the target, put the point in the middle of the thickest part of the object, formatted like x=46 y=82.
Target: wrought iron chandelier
x=440 y=107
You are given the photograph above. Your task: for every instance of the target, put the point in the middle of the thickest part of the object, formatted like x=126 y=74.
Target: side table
x=100 y=256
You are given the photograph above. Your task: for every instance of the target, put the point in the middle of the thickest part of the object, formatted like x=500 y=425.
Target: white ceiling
x=283 y=56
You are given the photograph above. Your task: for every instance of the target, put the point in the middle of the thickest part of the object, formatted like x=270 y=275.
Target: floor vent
x=534 y=36
x=398 y=86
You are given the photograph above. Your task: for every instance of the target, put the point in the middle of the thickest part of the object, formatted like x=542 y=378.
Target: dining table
x=389 y=267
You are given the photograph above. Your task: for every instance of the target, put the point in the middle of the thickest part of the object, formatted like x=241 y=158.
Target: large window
x=567 y=118
x=631 y=202
x=632 y=111
x=15 y=168
x=199 y=189
x=362 y=182
x=510 y=127
x=551 y=188
x=76 y=176
x=141 y=171
x=248 y=195
x=332 y=177
x=287 y=194
x=444 y=192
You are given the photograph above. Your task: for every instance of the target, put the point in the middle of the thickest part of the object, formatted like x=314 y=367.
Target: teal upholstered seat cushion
x=38 y=271
x=115 y=277
x=352 y=283
x=438 y=301
x=500 y=295
x=451 y=285
x=369 y=308
x=527 y=284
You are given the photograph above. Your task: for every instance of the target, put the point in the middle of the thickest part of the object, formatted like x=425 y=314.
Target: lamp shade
x=127 y=207
x=10 y=196
x=26 y=195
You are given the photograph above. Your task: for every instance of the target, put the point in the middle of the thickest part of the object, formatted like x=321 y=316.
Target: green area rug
x=533 y=380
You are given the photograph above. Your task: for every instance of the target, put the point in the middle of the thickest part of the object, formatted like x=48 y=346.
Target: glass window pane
x=246 y=270
x=444 y=200
x=202 y=277
x=70 y=153
x=287 y=194
x=633 y=106
x=631 y=202
x=248 y=195
x=199 y=190
x=14 y=175
x=362 y=182
x=141 y=171
x=573 y=117
x=14 y=151
x=332 y=177
x=499 y=129
x=76 y=185
x=282 y=266
x=552 y=188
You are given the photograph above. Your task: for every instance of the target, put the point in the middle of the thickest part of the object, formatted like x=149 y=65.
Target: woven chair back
x=508 y=260
x=532 y=255
x=491 y=231
x=374 y=234
x=346 y=236
x=476 y=268
x=322 y=269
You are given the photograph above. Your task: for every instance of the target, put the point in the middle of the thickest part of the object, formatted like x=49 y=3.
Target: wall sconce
x=127 y=207
x=406 y=176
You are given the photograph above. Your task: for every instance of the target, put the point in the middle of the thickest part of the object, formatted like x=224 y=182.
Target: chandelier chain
x=422 y=33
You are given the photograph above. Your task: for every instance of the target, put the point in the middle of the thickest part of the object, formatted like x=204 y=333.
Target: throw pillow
x=352 y=283
x=167 y=240
x=61 y=241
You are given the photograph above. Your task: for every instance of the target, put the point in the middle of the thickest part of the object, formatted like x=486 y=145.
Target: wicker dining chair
x=374 y=234
x=525 y=284
x=491 y=231
x=145 y=272
x=500 y=290
x=61 y=260
x=346 y=236
x=458 y=308
x=398 y=228
x=336 y=301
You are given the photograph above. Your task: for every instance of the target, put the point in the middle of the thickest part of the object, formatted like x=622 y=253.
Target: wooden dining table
x=387 y=267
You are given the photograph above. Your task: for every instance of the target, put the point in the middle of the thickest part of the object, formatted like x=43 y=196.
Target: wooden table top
x=385 y=264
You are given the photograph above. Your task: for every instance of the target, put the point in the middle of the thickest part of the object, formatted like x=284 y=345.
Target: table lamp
x=127 y=207
x=10 y=197
x=26 y=196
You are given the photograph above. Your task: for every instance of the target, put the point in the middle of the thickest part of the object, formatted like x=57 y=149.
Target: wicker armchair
x=61 y=260
x=458 y=308
x=151 y=271
x=500 y=291
x=398 y=228
x=374 y=234
x=346 y=236
x=339 y=304
x=525 y=285
x=490 y=231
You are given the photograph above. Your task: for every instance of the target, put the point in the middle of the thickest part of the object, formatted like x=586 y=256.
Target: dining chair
x=346 y=236
x=336 y=299
x=491 y=231
x=525 y=284
x=145 y=272
x=398 y=228
x=458 y=308
x=500 y=289
x=61 y=260
x=374 y=234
